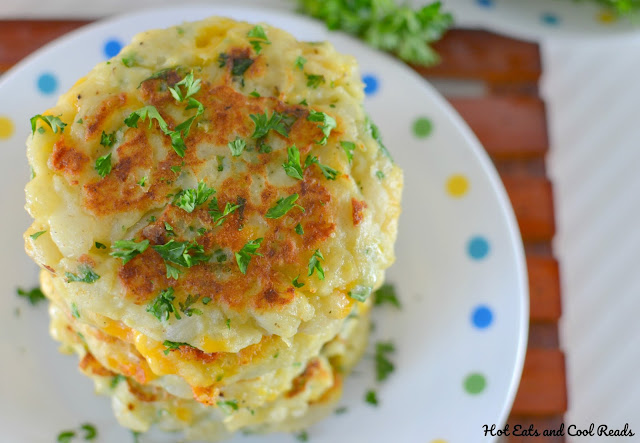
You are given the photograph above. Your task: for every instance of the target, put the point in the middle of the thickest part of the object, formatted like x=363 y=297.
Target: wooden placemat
x=509 y=118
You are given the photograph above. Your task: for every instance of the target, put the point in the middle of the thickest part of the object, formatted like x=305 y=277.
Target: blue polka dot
x=478 y=248
x=370 y=84
x=47 y=83
x=112 y=48
x=481 y=317
x=550 y=19
x=485 y=3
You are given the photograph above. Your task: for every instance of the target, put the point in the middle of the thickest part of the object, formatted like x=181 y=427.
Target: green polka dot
x=422 y=127
x=475 y=384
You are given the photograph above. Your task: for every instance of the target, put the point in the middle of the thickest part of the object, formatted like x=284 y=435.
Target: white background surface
x=592 y=93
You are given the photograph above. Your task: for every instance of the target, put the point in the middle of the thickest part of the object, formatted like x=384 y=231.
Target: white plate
x=540 y=19
x=460 y=271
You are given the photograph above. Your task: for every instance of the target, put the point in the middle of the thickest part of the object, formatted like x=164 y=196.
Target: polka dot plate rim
x=460 y=274
x=541 y=19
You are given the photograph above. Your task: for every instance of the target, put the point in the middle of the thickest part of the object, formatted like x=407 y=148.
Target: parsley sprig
x=162 y=306
x=385 y=25
x=259 y=38
x=217 y=215
x=278 y=122
x=53 y=122
x=33 y=296
x=103 y=165
x=186 y=254
x=173 y=346
x=128 y=249
x=243 y=256
x=386 y=295
x=189 y=199
x=314 y=265
x=292 y=167
x=283 y=206
x=85 y=275
x=327 y=123
x=384 y=367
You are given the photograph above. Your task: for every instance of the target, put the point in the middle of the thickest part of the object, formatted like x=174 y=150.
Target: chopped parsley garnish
x=172 y=346
x=228 y=323
x=371 y=397
x=206 y=300
x=89 y=431
x=304 y=102
x=314 y=265
x=380 y=175
x=348 y=147
x=186 y=307
x=261 y=38
x=281 y=123
x=129 y=60
x=239 y=66
x=100 y=245
x=146 y=112
x=37 y=234
x=103 y=165
x=220 y=255
x=34 y=296
x=390 y=26
x=237 y=146
x=185 y=254
x=375 y=134
x=327 y=124
x=313 y=81
x=116 y=379
x=292 y=167
x=143 y=181
x=85 y=275
x=384 y=367
x=189 y=199
x=74 y=310
x=53 y=122
x=255 y=94
x=107 y=140
x=176 y=169
x=217 y=215
x=128 y=249
x=191 y=87
x=296 y=283
x=136 y=436
x=300 y=61
x=222 y=60
x=162 y=74
x=341 y=410
x=161 y=307
x=328 y=172
x=299 y=230
x=302 y=436
x=227 y=406
x=65 y=436
x=220 y=162
x=243 y=256
x=283 y=206
x=386 y=294
x=360 y=293
x=169 y=229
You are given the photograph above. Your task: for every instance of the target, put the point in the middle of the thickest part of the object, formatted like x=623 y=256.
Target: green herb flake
x=37 y=234
x=341 y=410
x=278 y=122
x=74 y=310
x=261 y=38
x=129 y=60
x=348 y=147
x=300 y=61
x=100 y=245
x=143 y=181
x=228 y=323
x=220 y=159
x=227 y=406
x=128 y=249
x=299 y=230
x=191 y=87
x=384 y=367
x=296 y=283
x=380 y=175
x=328 y=172
x=302 y=436
x=237 y=146
x=79 y=121
x=360 y=293
x=53 y=122
x=313 y=81
x=107 y=140
x=283 y=206
x=375 y=134
x=177 y=136
x=185 y=254
x=327 y=123
x=303 y=102
x=186 y=307
x=116 y=379
x=33 y=296
x=243 y=256
x=206 y=300
x=314 y=265
x=292 y=167
x=172 y=346
x=189 y=199
x=90 y=432
x=176 y=169
x=162 y=307
x=217 y=215
x=103 y=165
x=371 y=397
x=136 y=436
x=65 y=436
x=386 y=294
x=85 y=275
x=255 y=94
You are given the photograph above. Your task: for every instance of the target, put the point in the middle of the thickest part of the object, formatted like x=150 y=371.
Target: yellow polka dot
x=457 y=185
x=6 y=127
x=606 y=17
x=439 y=440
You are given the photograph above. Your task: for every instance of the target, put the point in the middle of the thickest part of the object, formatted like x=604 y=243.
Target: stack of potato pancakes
x=213 y=209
